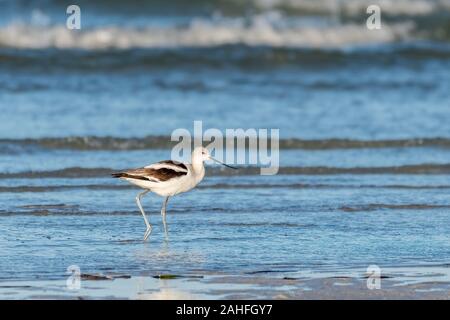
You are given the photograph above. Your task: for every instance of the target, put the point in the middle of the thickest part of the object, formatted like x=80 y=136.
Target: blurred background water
x=364 y=119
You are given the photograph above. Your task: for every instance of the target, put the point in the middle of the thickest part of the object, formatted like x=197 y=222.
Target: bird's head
x=203 y=154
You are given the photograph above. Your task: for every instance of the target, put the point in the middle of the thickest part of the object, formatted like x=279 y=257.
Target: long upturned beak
x=224 y=164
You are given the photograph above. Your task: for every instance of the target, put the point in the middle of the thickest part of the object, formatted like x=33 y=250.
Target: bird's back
x=165 y=178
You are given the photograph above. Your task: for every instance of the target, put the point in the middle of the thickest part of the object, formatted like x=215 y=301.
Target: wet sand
x=223 y=287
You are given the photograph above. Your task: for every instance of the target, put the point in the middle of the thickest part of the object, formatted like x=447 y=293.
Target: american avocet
x=167 y=178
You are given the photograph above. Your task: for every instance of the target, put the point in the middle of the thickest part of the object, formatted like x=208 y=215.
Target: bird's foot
x=147 y=232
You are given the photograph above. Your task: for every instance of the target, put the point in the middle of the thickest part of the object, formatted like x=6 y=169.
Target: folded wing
x=158 y=172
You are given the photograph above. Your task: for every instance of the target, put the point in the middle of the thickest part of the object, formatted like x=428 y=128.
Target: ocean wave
x=386 y=206
x=79 y=172
x=241 y=7
x=274 y=23
x=261 y=31
x=64 y=209
x=93 y=143
x=243 y=57
x=219 y=186
x=354 y=8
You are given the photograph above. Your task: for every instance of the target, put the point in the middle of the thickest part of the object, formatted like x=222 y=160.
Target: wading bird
x=167 y=178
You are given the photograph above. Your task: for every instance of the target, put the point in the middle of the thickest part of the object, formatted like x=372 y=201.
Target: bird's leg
x=163 y=214
x=138 y=201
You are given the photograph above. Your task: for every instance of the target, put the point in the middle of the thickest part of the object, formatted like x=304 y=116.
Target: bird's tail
x=118 y=174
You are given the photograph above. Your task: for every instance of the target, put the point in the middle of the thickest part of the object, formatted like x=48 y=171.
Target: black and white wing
x=158 y=172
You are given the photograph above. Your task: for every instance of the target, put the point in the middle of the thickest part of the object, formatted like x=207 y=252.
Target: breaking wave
x=353 y=8
x=273 y=23
x=200 y=33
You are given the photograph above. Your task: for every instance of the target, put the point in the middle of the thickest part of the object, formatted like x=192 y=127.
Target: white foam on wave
x=357 y=7
x=269 y=29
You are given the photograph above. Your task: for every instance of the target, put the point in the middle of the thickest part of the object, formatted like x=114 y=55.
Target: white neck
x=197 y=165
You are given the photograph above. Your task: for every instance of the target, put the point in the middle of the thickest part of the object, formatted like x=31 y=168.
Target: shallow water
x=254 y=224
x=364 y=126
